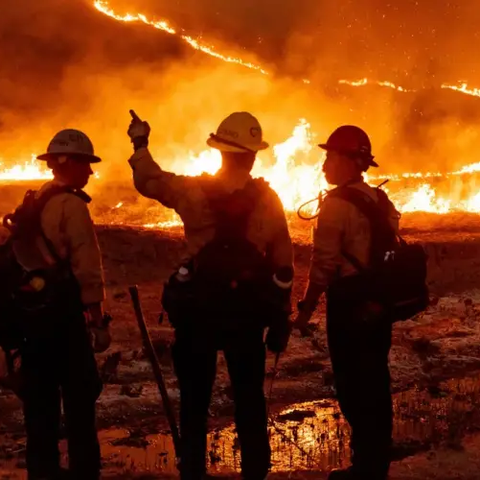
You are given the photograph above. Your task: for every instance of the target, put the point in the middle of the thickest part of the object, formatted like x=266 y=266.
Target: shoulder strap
x=376 y=213
x=37 y=204
x=232 y=210
x=364 y=202
x=42 y=202
x=55 y=190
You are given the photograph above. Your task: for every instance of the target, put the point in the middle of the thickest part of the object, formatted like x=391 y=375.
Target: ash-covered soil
x=439 y=347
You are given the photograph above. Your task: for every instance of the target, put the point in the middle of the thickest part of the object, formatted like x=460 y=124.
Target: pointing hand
x=138 y=131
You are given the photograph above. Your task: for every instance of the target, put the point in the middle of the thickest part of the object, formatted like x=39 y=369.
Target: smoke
x=419 y=45
x=70 y=66
x=42 y=40
x=407 y=40
x=62 y=59
x=399 y=40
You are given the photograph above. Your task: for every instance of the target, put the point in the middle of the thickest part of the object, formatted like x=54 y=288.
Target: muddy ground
x=435 y=363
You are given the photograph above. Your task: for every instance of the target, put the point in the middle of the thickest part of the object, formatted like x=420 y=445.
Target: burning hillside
x=425 y=139
x=293 y=170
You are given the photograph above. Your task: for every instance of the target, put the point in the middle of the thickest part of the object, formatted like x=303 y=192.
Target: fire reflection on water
x=314 y=435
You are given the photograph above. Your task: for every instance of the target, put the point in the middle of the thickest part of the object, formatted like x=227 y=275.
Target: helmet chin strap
x=362 y=163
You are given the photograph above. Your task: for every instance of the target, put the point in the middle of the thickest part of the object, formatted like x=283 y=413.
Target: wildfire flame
x=103 y=7
x=295 y=170
x=295 y=173
x=298 y=182
x=365 y=81
x=462 y=87
x=30 y=170
x=294 y=181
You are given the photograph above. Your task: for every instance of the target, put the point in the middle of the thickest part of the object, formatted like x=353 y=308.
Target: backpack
x=230 y=274
x=24 y=295
x=396 y=277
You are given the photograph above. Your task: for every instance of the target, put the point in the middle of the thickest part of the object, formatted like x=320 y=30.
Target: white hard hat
x=71 y=143
x=239 y=132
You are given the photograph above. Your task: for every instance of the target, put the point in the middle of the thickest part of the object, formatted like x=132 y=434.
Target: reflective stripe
x=281 y=284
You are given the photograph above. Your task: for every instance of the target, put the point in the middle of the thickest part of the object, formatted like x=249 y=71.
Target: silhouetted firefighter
x=51 y=308
x=235 y=281
x=372 y=278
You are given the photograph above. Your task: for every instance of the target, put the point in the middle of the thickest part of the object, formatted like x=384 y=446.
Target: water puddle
x=304 y=436
x=315 y=435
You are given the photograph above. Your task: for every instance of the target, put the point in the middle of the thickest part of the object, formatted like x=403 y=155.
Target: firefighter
x=222 y=298
x=359 y=355
x=58 y=363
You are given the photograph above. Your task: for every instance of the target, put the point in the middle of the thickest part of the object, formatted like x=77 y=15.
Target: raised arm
x=149 y=179
x=153 y=182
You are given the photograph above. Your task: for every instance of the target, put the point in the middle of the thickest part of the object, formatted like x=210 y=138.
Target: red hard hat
x=349 y=139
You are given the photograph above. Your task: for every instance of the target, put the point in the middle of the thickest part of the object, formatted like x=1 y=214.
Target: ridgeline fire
x=293 y=166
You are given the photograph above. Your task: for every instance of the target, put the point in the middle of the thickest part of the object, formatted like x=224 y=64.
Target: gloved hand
x=278 y=336
x=138 y=131
x=302 y=322
x=98 y=325
x=101 y=338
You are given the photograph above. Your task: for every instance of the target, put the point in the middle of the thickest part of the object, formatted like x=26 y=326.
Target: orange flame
x=30 y=170
x=296 y=175
x=103 y=7
x=294 y=182
x=463 y=88
x=365 y=81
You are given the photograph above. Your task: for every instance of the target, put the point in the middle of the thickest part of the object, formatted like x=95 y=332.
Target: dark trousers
x=59 y=365
x=195 y=360
x=359 y=355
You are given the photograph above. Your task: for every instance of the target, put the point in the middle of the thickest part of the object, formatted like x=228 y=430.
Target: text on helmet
x=228 y=133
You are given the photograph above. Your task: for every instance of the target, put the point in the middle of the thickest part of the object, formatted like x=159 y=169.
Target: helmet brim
x=324 y=146
x=76 y=156
x=211 y=142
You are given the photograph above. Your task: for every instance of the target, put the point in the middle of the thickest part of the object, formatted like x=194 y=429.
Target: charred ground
x=431 y=356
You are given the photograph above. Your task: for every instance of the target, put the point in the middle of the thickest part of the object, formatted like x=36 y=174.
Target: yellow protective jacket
x=66 y=222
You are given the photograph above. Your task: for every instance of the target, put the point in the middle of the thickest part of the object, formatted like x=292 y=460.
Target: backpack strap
x=386 y=206
x=232 y=211
x=375 y=212
x=54 y=190
x=42 y=202
x=38 y=203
